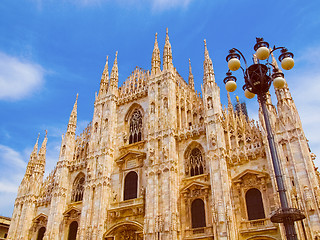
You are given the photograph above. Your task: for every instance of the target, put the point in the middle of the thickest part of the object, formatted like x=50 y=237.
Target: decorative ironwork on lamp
x=258 y=78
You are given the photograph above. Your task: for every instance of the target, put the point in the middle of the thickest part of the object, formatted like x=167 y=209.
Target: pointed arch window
x=196 y=163
x=73 y=229
x=78 y=188
x=41 y=232
x=135 y=127
x=198 y=214
x=254 y=204
x=130 y=186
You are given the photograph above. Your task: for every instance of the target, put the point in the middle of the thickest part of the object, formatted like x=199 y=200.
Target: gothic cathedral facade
x=160 y=161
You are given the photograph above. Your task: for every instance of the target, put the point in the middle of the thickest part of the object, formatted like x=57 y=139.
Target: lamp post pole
x=288 y=222
x=258 y=78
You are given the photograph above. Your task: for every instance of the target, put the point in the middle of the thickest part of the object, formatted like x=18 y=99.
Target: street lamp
x=258 y=78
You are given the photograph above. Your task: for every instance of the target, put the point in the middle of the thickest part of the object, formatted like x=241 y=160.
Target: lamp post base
x=283 y=215
x=287 y=216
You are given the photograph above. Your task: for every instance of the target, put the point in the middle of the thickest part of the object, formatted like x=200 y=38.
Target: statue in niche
x=115 y=196
x=210 y=106
x=152 y=110
x=165 y=103
x=308 y=199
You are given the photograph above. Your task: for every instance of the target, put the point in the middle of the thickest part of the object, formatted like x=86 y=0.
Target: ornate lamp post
x=258 y=78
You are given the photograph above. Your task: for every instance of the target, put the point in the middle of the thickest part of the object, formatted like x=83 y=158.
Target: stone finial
x=44 y=145
x=72 y=125
x=114 y=72
x=230 y=106
x=105 y=74
x=155 y=61
x=104 y=79
x=167 y=54
x=191 y=78
x=208 y=73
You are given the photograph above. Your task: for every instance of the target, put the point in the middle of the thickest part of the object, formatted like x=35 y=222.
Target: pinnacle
x=73 y=117
x=44 y=144
x=106 y=70
x=207 y=65
x=191 y=81
x=229 y=99
x=155 y=61
x=167 y=53
x=35 y=148
x=114 y=72
x=156 y=48
x=274 y=62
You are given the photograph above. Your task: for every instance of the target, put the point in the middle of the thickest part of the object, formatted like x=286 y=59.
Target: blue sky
x=50 y=50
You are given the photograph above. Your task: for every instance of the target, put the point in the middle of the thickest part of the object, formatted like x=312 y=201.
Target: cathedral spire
x=33 y=157
x=35 y=147
x=43 y=149
x=167 y=54
x=72 y=125
x=191 y=79
x=283 y=94
x=208 y=73
x=104 y=79
x=155 y=61
x=230 y=106
x=114 y=73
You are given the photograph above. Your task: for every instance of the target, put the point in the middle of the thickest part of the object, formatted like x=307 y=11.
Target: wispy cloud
x=12 y=157
x=156 y=5
x=12 y=167
x=18 y=79
x=166 y=4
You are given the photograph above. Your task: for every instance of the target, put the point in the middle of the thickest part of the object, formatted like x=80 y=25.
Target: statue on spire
x=191 y=79
x=155 y=61
x=104 y=80
x=114 y=73
x=208 y=73
x=167 y=54
x=72 y=125
x=230 y=106
x=43 y=149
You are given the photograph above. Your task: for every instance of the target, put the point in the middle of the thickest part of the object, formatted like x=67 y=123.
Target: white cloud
x=156 y=5
x=8 y=187
x=10 y=156
x=12 y=171
x=305 y=92
x=166 y=4
x=18 y=79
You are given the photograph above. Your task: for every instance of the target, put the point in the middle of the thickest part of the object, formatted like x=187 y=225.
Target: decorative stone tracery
x=135 y=134
x=78 y=188
x=195 y=162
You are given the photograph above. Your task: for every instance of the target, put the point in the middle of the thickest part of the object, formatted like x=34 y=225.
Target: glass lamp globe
x=262 y=53
x=279 y=82
x=234 y=64
x=231 y=86
x=248 y=94
x=287 y=63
